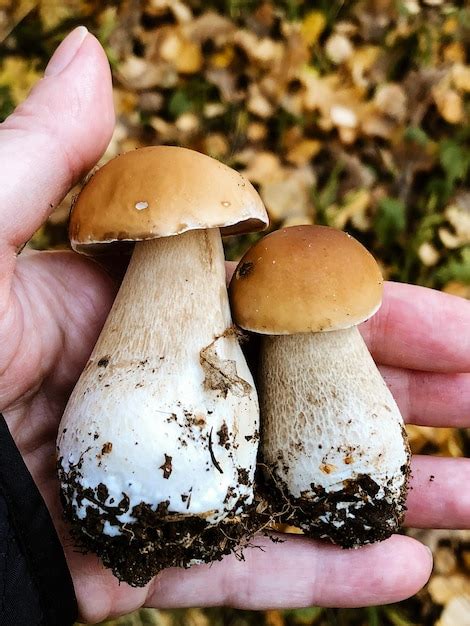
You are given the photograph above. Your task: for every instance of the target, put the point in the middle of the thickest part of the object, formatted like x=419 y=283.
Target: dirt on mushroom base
x=327 y=515
x=158 y=539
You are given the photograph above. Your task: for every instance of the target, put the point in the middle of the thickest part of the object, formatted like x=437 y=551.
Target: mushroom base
x=157 y=539
x=351 y=517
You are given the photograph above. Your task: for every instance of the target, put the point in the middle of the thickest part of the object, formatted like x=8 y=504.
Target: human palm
x=53 y=304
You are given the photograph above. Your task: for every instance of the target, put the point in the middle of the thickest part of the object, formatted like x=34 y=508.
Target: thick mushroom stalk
x=333 y=437
x=333 y=445
x=157 y=446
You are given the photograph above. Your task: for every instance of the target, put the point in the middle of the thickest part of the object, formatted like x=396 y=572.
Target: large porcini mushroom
x=332 y=438
x=157 y=445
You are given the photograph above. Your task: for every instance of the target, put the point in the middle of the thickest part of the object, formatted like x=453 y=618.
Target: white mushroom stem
x=328 y=416
x=165 y=413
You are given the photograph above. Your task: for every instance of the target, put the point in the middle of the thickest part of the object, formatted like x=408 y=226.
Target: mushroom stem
x=172 y=301
x=162 y=425
x=332 y=438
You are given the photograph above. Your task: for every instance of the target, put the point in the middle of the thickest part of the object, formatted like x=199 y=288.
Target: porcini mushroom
x=333 y=444
x=157 y=446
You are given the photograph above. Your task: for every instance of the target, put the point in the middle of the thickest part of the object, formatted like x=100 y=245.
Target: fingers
x=297 y=573
x=430 y=398
x=55 y=136
x=420 y=328
x=439 y=495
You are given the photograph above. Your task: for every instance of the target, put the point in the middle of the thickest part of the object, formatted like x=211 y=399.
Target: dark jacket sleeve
x=35 y=583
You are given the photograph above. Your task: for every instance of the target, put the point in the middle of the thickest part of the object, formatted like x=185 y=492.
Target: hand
x=53 y=304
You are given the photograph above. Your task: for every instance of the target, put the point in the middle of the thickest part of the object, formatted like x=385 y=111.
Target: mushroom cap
x=305 y=279
x=162 y=191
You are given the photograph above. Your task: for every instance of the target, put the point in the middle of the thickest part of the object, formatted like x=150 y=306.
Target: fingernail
x=66 y=51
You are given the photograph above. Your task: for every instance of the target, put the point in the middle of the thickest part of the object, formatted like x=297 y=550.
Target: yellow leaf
x=185 y=55
x=54 y=12
x=457 y=288
x=361 y=62
x=20 y=75
x=273 y=618
x=223 y=58
x=312 y=27
x=450 y=26
x=190 y=59
x=454 y=53
x=355 y=206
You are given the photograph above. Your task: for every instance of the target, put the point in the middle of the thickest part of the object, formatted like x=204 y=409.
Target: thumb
x=54 y=137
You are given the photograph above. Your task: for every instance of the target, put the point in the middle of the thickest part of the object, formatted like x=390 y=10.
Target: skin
x=53 y=304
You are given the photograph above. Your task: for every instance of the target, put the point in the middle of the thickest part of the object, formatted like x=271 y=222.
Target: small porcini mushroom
x=157 y=446
x=333 y=444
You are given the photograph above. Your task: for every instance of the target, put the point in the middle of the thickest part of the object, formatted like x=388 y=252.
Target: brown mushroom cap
x=162 y=191
x=305 y=279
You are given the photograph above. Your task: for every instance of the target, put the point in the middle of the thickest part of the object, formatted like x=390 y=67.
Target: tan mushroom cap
x=305 y=279
x=162 y=191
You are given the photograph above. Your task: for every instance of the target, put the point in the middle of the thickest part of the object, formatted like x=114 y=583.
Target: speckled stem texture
x=333 y=442
x=157 y=446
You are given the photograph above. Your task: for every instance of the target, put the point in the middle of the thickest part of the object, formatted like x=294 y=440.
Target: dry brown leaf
x=458 y=215
x=11 y=14
x=338 y=48
x=257 y=103
x=456 y=612
x=291 y=196
x=412 y=6
x=214 y=109
x=138 y=73
x=165 y=132
x=216 y=145
x=444 y=440
x=443 y=588
x=375 y=124
x=262 y=51
x=391 y=100
x=256 y=131
x=261 y=167
x=297 y=220
x=302 y=152
x=354 y=208
x=185 y=55
x=211 y=25
x=448 y=102
x=55 y=12
x=460 y=75
x=428 y=254
x=445 y=561
x=274 y=618
x=226 y=82
x=196 y=617
x=187 y=123
x=361 y=63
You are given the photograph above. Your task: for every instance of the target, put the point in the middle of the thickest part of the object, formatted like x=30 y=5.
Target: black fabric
x=35 y=584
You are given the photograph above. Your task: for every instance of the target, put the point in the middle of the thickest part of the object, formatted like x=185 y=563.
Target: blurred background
x=354 y=114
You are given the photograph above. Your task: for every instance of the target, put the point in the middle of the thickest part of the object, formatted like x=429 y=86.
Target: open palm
x=53 y=304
